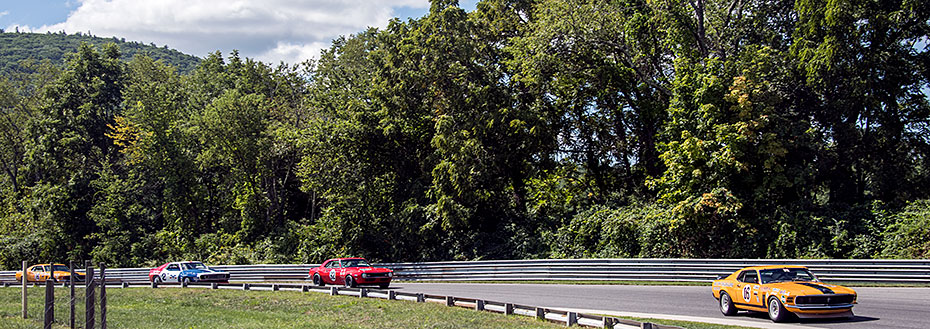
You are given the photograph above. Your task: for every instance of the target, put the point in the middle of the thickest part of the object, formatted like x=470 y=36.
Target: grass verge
x=231 y=309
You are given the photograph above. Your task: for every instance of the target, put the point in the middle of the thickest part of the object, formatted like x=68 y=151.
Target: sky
x=269 y=30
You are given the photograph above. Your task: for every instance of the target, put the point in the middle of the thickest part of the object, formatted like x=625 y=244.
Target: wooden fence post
x=89 y=296
x=49 y=303
x=71 y=302
x=103 y=295
x=25 y=312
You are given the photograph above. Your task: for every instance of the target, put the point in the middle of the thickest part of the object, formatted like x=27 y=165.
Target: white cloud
x=4 y=13
x=271 y=30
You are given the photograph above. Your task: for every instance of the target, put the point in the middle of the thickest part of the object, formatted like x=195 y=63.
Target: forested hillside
x=16 y=47
x=523 y=129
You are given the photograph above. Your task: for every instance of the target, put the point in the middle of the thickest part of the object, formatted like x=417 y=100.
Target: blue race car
x=187 y=272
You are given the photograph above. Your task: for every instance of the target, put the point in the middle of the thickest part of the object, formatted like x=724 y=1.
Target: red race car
x=350 y=272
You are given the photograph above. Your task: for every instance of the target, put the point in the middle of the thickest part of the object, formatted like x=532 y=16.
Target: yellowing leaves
x=127 y=136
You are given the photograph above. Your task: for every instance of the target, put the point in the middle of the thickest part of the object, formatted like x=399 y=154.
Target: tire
x=349 y=282
x=156 y=279
x=777 y=311
x=186 y=280
x=318 y=281
x=726 y=304
x=384 y=285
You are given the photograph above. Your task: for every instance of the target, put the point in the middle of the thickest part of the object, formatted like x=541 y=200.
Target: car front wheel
x=156 y=279
x=186 y=280
x=317 y=280
x=777 y=311
x=726 y=304
x=349 y=282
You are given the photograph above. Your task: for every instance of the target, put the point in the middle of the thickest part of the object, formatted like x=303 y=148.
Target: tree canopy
x=522 y=129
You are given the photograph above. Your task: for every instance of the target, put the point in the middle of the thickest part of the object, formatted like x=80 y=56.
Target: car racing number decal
x=332 y=275
x=747 y=292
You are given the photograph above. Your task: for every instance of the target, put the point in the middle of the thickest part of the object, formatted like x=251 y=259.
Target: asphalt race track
x=877 y=308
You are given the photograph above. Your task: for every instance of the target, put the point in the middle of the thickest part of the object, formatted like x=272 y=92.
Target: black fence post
x=89 y=296
x=49 y=303
x=25 y=311
x=103 y=295
x=71 y=302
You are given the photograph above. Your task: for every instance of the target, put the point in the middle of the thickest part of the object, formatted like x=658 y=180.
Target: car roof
x=768 y=267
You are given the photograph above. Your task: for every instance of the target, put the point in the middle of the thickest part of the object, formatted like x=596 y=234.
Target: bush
x=909 y=234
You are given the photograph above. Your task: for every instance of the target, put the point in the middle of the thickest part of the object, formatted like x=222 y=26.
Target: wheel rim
x=773 y=308
x=316 y=279
x=724 y=303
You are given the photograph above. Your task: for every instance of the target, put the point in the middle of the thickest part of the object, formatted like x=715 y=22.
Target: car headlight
x=365 y=275
x=390 y=274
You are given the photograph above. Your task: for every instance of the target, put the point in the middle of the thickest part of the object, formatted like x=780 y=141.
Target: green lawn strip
x=232 y=309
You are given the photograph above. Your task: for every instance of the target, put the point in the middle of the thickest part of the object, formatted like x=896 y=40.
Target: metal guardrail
x=636 y=269
x=569 y=318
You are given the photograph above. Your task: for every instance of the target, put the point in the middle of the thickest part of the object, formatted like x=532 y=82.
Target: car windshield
x=194 y=266
x=355 y=263
x=786 y=275
x=61 y=268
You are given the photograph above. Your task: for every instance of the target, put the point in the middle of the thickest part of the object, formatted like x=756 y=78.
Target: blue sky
x=268 y=30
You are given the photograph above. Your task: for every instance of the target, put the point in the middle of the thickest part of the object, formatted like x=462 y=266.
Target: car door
x=171 y=272
x=332 y=272
x=748 y=288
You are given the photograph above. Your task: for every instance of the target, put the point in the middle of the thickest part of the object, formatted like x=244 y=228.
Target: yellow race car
x=782 y=291
x=43 y=272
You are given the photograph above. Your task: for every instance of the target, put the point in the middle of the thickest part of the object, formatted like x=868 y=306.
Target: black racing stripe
x=818 y=287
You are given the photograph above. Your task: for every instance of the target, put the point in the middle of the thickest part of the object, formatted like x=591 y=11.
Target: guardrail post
x=421 y=298
x=479 y=305
x=450 y=301
x=362 y=293
x=124 y=284
x=246 y=286
x=540 y=313
x=392 y=295
x=274 y=287
x=304 y=288
x=214 y=286
x=572 y=319
x=508 y=309
x=49 y=303
x=333 y=291
x=183 y=283
x=608 y=322
x=154 y=284
x=646 y=325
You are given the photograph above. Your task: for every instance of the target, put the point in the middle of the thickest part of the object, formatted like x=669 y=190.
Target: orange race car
x=42 y=272
x=782 y=291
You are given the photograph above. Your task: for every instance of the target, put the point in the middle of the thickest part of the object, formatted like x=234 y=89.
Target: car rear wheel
x=777 y=311
x=726 y=304
x=318 y=281
x=349 y=282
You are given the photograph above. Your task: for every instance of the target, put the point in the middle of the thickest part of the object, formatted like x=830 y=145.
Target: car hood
x=199 y=271
x=802 y=288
